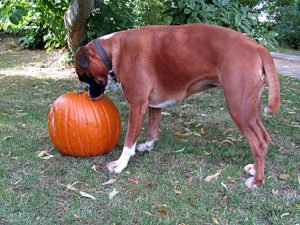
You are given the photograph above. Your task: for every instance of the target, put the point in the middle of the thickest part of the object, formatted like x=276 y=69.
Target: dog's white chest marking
x=163 y=104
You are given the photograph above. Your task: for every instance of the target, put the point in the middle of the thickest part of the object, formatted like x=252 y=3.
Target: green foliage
x=223 y=13
x=286 y=17
x=40 y=23
x=115 y=15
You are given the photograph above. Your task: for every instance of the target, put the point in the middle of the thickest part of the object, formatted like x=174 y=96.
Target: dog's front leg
x=153 y=130
x=136 y=118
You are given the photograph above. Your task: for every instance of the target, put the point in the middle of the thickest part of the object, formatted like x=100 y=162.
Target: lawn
x=165 y=186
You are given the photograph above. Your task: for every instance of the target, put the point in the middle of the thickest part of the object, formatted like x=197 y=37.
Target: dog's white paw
x=116 y=166
x=147 y=146
x=249 y=169
x=250 y=183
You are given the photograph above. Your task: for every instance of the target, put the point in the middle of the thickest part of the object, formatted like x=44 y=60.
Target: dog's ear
x=82 y=57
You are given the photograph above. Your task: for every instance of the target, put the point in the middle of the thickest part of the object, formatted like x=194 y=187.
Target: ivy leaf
x=187 y=11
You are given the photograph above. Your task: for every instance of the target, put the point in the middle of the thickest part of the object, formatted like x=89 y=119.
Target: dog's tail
x=272 y=81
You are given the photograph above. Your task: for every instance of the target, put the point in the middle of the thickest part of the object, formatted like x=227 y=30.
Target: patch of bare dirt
x=34 y=63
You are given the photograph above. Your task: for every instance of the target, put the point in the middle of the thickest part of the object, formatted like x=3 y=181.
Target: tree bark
x=75 y=21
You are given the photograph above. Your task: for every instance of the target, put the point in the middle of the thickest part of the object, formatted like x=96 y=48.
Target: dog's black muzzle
x=95 y=90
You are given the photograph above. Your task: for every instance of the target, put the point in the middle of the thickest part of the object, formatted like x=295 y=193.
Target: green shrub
x=288 y=26
x=223 y=13
x=115 y=15
x=39 y=23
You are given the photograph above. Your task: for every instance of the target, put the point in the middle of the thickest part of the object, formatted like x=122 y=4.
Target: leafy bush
x=288 y=26
x=115 y=15
x=223 y=13
x=40 y=23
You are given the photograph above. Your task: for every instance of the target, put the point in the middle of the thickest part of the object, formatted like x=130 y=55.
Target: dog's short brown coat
x=161 y=65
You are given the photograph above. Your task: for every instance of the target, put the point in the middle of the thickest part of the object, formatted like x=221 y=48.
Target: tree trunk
x=75 y=21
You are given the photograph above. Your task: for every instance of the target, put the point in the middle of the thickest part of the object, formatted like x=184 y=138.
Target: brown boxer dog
x=158 y=66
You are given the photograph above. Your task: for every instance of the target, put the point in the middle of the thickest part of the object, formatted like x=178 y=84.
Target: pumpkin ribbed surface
x=79 y=126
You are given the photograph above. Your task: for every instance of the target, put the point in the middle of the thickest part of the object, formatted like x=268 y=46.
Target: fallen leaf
x=224 y=186
x=202 y=131
x=188 y=134
x=186 y=106
x=84 y=194
x=190 y=180
x=77 y=216
x=189 y=122
x=147 y=213
x=163 y=212
x=284 y=176
x=70 y=187
x=134 y=180
x=227 y=131
x=178 y=134
x=111 y=181
x=160 y=206
x=197 y=134
x=274 y=191
x=227 y=141
x=213 y=177
x=166 y=114
x=95 y=168
x=7 y=137
x=45 y=155
x=180 y=150
x=177 y=191
x=298 y=205
x=225 y=198
x=113 y=194
x=284 y=214
x=214 y=220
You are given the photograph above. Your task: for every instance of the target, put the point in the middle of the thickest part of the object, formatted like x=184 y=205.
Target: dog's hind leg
x=136 y=118
x=244 y=101
x=153 y=130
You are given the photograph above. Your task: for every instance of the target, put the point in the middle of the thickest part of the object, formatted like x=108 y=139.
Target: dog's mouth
x=95 y=91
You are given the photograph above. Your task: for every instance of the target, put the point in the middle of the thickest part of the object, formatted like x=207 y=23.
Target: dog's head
x=91 y=70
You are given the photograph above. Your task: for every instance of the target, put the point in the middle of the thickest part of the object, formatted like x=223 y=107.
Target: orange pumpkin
x=79 y=126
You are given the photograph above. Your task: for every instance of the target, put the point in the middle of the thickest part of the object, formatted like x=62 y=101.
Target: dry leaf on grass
x=224 y=186
x=95 y=168
x=284 y=176
x=45 y=155
x=166 y=114
x=213 y=177
x=227 y=131
x=134 y=180
x=180 y=150
x=214 y=220
x=111 y=181
x=163 y=212
x=70 y=187
x=113 y=194
x=284 y=214
x=84 y=194
x=177 y=191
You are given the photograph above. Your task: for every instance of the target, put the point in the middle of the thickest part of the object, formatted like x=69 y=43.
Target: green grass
x=34 y=191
